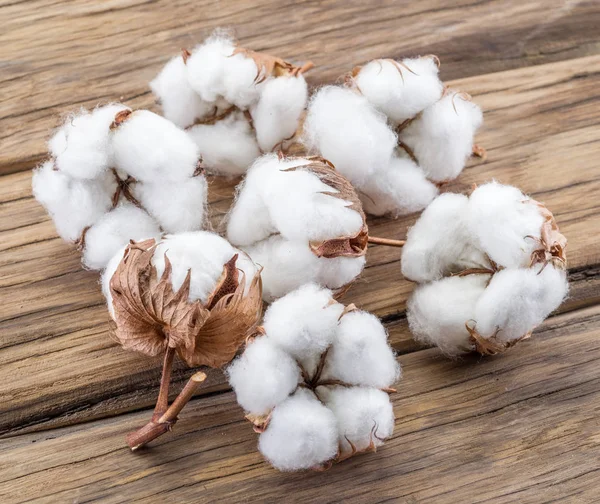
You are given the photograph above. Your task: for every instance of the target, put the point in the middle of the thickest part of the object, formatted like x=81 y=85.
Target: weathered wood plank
x=52 y=317
x=494 y=430
x=57 y=56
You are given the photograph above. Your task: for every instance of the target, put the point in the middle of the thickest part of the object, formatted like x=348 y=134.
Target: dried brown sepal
x=480 y=152
x=552 y=243
x=259 y=422
x=215 y=117
x=271 y=66
x=353 y=451
x=491 y=346
x=185 y=54
x=120 y=118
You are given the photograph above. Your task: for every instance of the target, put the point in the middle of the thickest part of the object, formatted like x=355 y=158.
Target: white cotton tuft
x=506 y=223
x=345 y=129
x=363 y=415
x=113 y=231
x=107 y=275
x=228 y=147
x=400 y=89
x=516 y=301
x=442 y=136
x=304 y=322
x=360 y=354
x=263 y=376
x=202 y=253
x=180 y=103
x=152 y=149
x=240 y=81
x=73 y=204
x=177 y=206
x=277 y=113
x=302 y=434
x=437 y=312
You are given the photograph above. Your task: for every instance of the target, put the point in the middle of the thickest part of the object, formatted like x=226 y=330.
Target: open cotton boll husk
x=400 y=89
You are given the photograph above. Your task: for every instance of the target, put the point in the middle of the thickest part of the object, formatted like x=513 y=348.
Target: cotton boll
x=302 y=434
x=113 y=231
x=263 y=376
x=360 y=354
x=152 y=149
x=400 y=90
x=398 y=189
x=180 y=103
x=203 y=254
x=240 y=81
x=363 y=415
x=437 y=311
x=277 y=114
x=440 y=241
x=343 y=127
x=81 y=147
x=304 y=322
x=442 y=137
x=73 y=204
x=176 y=206
x=106 y=276
x=228 y=147
x=206 y=66
x=338 y=272
x=516 y=301
x=501 y=217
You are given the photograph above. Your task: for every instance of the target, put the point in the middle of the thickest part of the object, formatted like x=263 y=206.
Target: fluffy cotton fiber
x=313 y=380
x=507 y=259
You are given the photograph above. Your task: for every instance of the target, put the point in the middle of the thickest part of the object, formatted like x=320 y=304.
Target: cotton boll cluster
x=315 y=381
x=301 y=221
x=395 y=131
x=490 y=267
x=118 y=175
x=235 y=103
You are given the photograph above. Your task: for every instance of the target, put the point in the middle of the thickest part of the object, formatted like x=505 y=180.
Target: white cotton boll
x=501 y=217
x=304 y=322
x=113 y=231
x=398 y=189
x=240 y=81
x=344 y=128
x=107 y=275
x=180 y=103
x=204 y=254
x=337 y=272
x=440 y=242
x=360 y=354
x=228 y=147
x=263 y=376
x=81 y=147
x=302 y=434
x=400 y=90
x=152 y=149
x=442 y=137
x=363 y=415
x=73 y=204
x=277 y=114
x=177 y=206
x=518 y=300
x=437 y=311
x=206 y=66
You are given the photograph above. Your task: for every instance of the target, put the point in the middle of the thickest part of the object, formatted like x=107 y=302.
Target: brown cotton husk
x=552 y=243
x=271 y=66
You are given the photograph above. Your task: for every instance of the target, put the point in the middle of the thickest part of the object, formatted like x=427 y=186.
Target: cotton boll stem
x=386 y=241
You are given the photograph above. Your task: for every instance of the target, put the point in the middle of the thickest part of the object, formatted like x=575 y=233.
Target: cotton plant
x=315 y=381
x=112 y=177
x=235 y=103
x=490 y=268
x=190 y=294
x=395 y=131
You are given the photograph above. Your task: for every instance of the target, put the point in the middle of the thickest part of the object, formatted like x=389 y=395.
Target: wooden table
x=521 y=427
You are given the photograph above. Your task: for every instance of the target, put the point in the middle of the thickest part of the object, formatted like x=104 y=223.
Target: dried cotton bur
x=315 y=381
x=490 y=266
x=394 y=131
x=112 y=178
x=235 y=103
x=190 y=293
x=302 y=222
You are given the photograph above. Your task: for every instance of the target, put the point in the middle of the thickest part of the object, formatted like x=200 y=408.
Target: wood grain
x=57 y=56
x=53 y=313
x=495 y=430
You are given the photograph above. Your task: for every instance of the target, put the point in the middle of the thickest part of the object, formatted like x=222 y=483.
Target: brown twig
x=386 y=241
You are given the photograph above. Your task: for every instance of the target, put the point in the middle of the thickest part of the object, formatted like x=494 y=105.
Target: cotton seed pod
x=394 y=131
x=491 y=267
x=112 y=178
x=301 y=221
x=317 y=392
x=227 y=95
